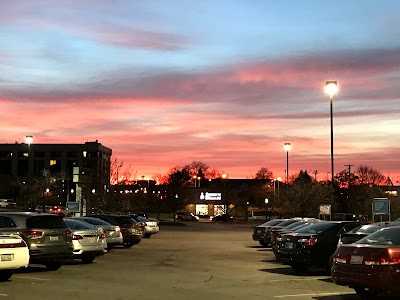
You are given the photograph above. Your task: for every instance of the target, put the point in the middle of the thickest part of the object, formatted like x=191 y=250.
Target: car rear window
x=368 y=229
x=45 y=222
x=315 y=228
x=125 y=220
x=74 y=224
x=389 y=236
x=95 y=221
x=272 y=222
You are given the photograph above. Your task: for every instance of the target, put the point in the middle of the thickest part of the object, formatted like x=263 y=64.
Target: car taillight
x=117 y=229
x=144 y=224
x=68 y=232
x=32 y=234
x=102 y=236
x=307 y=242
x=376 y=260
x=20 y=244
x=77 y=237
x=340 y=258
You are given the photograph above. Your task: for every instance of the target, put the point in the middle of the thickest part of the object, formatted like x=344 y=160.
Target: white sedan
x=14 y=254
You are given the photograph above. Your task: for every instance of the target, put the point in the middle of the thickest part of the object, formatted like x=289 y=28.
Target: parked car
x=259 y=230
x=7 y=203
x=360 y=232
x=221 y=218
x=131 y=231
x=312 y=245
x=277 y=232
x=186 y=216
x=371 y=265
x=14 y=254
x=112 y=232
x=47 y=236
x=268 y=233
x=88 y=241
x=150 y=227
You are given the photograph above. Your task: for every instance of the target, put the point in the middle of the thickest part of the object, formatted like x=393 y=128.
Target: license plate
x=53 y=238
x=356 y=260
x=289 y=245
x=7 y=257
x=91 y=239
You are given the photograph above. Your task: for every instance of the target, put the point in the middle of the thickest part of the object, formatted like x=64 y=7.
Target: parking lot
x=191 y=261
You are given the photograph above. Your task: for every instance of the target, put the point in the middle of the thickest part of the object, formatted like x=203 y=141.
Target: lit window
x=53 y=162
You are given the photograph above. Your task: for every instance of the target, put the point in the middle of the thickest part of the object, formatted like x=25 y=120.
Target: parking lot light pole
x=287 y=147
x=266 y=211
x=224 y=177
x=331 y=88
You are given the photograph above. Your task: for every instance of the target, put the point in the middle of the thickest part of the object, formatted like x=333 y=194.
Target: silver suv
x=47 y=236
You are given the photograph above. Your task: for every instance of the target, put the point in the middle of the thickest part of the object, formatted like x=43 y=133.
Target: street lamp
x=331 y=87
x=287 y=147
x=29 y=140
x=266 y=212
x=224 y=177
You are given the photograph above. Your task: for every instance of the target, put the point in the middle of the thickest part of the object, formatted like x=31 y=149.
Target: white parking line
x=296 y=279
x=3 y=295
x=315 y=294
x=33 y=278
x=72 y=268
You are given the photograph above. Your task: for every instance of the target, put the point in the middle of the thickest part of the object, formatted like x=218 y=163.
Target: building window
x=53 y=162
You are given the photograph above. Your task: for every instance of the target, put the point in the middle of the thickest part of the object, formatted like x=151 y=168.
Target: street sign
x=381 y=206
x=73 y=206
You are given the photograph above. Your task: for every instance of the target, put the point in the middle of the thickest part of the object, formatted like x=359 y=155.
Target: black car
x=259 y=230
x=312 y=245
x=221 y=218
x=47 y=236
x=130 y=229
x=268 y=235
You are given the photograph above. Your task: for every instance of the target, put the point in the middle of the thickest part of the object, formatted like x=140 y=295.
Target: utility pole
x=349 y=168
x=315 y=175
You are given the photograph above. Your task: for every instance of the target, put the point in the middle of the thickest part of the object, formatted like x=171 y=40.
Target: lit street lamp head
x=331 y=88
x=287 y=146
x=29 y=139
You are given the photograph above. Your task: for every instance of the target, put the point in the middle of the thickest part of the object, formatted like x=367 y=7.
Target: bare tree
x=369 y=176
x=264 y=173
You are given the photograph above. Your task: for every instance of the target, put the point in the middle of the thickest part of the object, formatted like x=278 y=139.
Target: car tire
x=128 y=245
x=5 y=275
x=147 y=235
x=366 y=293
x=299 y=268
x=53 y=266
x=87 y=259
x=262 y=243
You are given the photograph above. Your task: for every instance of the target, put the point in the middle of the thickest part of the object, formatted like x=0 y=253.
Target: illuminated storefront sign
x=210 y=196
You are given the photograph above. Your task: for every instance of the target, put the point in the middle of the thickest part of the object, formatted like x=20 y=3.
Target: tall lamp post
x=224 y=176
x=331 y=88
x=287 y=147
x=29 y=140
x=266 y=211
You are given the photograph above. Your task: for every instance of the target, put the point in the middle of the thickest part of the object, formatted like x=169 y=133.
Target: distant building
x=28 y=161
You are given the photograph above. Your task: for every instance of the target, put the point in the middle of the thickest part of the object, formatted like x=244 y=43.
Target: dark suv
x=47 y=236
x=130 y=229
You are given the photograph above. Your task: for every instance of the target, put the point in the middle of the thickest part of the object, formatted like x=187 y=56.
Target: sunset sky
x=227 y=82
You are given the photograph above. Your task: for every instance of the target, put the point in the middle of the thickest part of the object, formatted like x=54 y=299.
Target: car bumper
x=293 y=258
x=79 y=249
x=382 y=280
x=151 y=230
x=19 y=258
x=115 y=240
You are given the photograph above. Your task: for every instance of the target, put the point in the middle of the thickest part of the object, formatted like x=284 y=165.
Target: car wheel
x=366 y=293
x=262 y=243
x=53 y=266
x=5 y=275
x=87 y=259
x=128 y=245
x=299 y=267
x=147 y=235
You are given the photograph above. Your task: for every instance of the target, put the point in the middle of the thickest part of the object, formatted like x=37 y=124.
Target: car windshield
x=74 y=224
x=368 y=229
x=387 y=236
x=294 y=225
x=286 y=223
x=272 y=222
x=95 y=221
x=315 y=228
